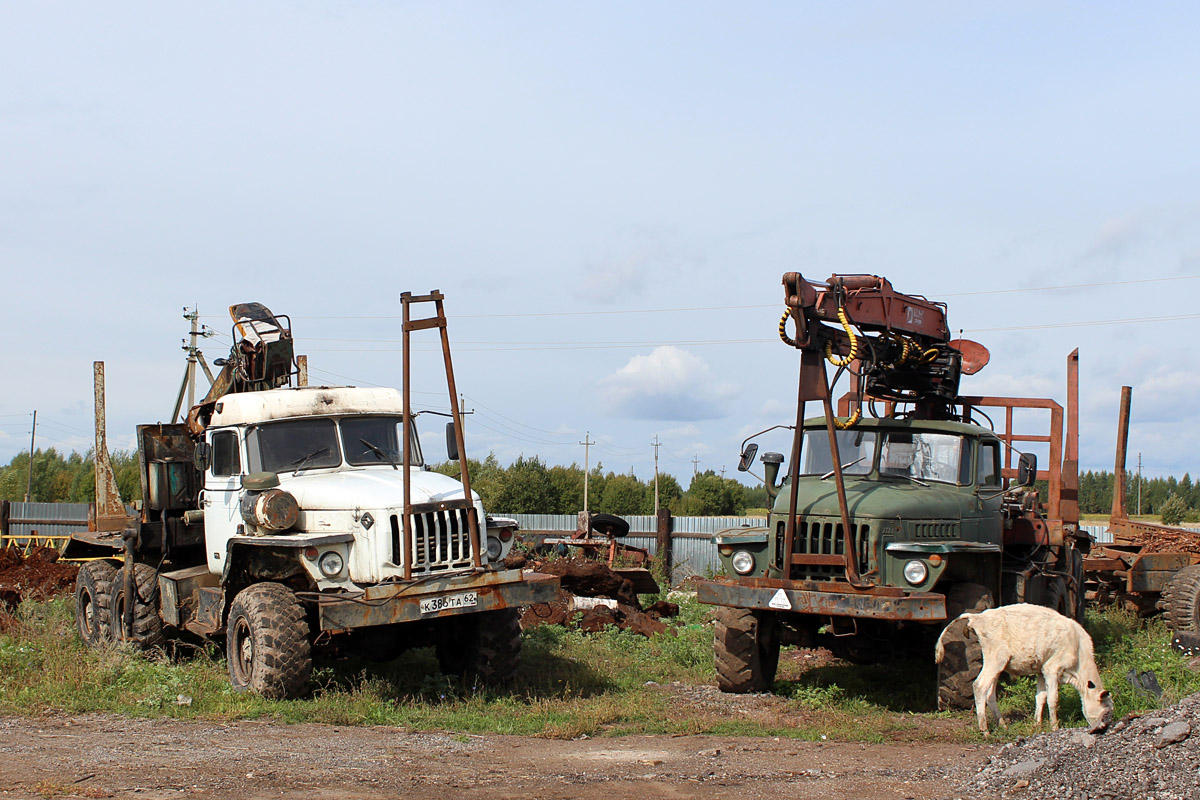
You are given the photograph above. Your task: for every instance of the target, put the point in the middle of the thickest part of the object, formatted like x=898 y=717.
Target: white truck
x=284 y=519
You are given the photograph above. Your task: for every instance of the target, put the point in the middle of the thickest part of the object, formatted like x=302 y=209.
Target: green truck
x=904 y=509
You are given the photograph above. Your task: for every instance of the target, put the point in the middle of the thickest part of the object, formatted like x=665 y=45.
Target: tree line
x=529 y=486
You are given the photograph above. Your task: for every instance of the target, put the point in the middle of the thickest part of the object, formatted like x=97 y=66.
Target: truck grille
x=934 y=530
x=441 y=542
x=824 y=537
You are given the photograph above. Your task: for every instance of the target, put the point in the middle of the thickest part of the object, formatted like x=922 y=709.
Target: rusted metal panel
x=1152 y=572
x=878 y=603
x=393 y=603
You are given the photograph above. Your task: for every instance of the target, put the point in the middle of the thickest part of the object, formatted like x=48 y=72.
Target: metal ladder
x=407 y=300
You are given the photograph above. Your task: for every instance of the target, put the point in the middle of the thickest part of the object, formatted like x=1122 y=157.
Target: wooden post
x=5 y=511
x=665 y=550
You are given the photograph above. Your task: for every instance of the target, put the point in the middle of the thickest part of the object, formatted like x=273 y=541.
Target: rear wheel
x=746 y=649
x=146 y=632
x=267 y=643
x=93 y=596
x=1058 y=597
x=1182 y=601
x=962 y=658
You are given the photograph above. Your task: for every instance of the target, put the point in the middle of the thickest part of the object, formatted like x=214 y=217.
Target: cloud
x=613 y=279
x=1116 y=238
x=667 y=384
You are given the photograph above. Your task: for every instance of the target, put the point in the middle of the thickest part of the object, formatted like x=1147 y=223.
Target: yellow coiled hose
x=789 y=341
x=841 y=361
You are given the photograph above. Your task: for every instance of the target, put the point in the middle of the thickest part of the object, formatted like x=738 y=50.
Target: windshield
x=376 y=440
x=856 y=447
x=924 y=456
x=293 y=445
x=300 y=444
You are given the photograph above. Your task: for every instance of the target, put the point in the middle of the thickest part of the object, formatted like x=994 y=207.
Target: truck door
x=222 y=495
x=989 y=487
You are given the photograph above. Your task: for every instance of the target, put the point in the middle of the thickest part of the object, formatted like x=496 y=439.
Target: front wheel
x=746 y=649
x=493 y=651
x=267 y=642
x=962 y=657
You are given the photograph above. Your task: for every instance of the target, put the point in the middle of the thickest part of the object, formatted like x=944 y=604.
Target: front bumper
x=401 y=602
x=810 y=597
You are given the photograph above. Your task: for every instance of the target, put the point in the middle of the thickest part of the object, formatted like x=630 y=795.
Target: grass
x=570 y=684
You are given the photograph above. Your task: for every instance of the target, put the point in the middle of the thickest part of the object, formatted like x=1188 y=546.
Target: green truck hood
x=881 y=499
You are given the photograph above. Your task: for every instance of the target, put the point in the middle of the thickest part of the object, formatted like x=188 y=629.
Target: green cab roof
x=934 y=425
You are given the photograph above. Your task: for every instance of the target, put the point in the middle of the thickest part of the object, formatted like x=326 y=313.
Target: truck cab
x=336 y=457
x=920 y=495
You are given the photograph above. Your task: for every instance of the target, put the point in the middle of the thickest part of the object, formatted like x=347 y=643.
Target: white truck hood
x=374 y=487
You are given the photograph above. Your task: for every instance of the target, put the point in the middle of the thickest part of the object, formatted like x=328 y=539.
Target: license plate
x=435 y=604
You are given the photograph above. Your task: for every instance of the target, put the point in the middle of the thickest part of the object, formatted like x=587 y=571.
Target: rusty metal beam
x=1119 y=477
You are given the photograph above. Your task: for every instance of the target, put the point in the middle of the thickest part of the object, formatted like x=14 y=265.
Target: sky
x=608 y=195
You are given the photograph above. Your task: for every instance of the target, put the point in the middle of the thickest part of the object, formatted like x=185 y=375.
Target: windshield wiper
x=377 y=450
x=844 y=466
x=902 y=475
x=302 y=462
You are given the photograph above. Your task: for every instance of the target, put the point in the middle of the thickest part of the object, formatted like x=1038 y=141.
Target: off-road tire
x=609 y=525
x=267 y=642
x=496 y=655
x=93 y=598
x=1181 y=601
x=746 y=649
x=147 y=631
x=962 y=658
x=1058 y=597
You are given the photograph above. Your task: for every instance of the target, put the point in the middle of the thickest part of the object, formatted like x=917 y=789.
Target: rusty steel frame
x=873 y=304
x=407 y=300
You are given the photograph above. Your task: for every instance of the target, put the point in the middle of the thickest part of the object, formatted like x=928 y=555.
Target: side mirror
x=451 y=442
x=202 y=456
x=747 y=457
x=771 y=464
x=1027 y=469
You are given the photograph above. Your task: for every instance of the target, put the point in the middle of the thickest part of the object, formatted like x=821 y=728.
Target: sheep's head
x=1097 y=707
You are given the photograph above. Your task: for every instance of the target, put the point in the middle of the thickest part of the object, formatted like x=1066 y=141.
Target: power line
x=524 y=315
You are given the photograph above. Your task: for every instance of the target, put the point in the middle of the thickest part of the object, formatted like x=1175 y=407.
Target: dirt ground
x=109 y=756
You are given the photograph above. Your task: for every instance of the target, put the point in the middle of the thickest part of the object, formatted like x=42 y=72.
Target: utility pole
x=587 y=444
x=1139 y=484
x=722 y=472
x=695 y=464
x=188 y=385
x=657 y=444
x=29 y=480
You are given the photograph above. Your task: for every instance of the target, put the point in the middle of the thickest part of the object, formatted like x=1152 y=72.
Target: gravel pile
x=1152 y=757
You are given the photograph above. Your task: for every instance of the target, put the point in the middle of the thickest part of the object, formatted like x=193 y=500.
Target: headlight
x=331 y=563
x=495 y=548
x=743 y=562
x=915 y=572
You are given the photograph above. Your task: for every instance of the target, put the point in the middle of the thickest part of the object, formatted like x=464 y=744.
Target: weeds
x=570 y=684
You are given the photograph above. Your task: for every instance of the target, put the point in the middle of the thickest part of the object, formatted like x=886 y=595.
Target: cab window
x=988 y=471
x=226 y=460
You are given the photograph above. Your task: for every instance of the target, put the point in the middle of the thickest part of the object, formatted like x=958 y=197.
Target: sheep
x=1025 y=639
